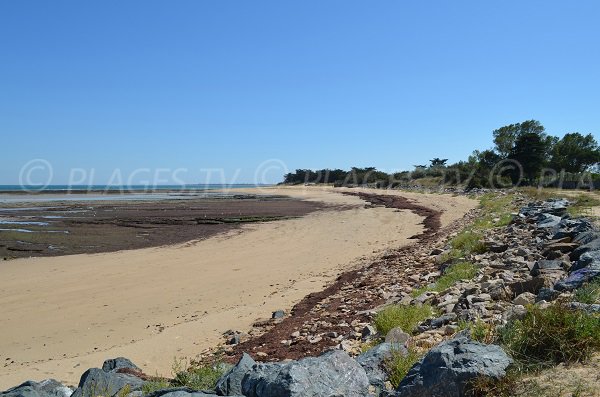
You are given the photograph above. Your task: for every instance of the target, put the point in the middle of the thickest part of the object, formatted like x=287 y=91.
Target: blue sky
x=230 y=84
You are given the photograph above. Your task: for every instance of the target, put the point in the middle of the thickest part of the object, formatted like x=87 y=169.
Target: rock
x=180 y=392
x=532 y=285
x=443 y=320
x=447 y=369
x=96 y=382
x=560 y=247
x=231 y=382
x=368 y=332
x=496 y=247
x=45 y=388
x=332 y=374
x=545 y=264
x=397 y=336
x=115 y=364
x=372 y=361
x=436 y=251
x=516 y=312
x=278 y=314
x=590 y=308
x=586 y=237
x=547 y=294
x=593 y=245
x=524 y=299
x=548 y=221
x=577 y=278
x=586 y=259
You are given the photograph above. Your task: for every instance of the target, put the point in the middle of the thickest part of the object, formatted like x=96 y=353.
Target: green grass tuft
x=398 y=365
x=405 y=317
x=550 y=336
x=468 y=242
x=197 y=377
x=589 y=293
x=454 y=273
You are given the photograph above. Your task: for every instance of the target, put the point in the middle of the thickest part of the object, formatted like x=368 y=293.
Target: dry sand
x=62 y=315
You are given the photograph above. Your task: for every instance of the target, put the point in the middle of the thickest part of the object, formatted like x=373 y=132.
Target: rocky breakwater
x=541 y=256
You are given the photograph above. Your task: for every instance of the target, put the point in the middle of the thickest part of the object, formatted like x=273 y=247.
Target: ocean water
x=121 y=188
x=54 y=193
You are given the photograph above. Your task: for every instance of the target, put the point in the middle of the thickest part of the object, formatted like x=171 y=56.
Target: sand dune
x=62 y=315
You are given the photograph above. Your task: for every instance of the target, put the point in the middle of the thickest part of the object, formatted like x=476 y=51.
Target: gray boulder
x=586 y=237
x=593 y=245
x=97 y=382
x=577 y=278
x=447 y=369
x=546 y=264
x=588 y=259
x=231 y=382
x=333 y=374
x=114 y=364
x=45 y=388
x=548 y=221
x=373 y=359
x=180 y=392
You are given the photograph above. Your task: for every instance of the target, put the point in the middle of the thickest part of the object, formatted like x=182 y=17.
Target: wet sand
x=62 y=315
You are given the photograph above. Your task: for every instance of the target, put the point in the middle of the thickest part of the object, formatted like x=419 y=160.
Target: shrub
x=155 y=385
x=552 y=335
x=468 y=242
x=454 y=273
x=480 y=330
x=197 y=377
x=405 y=317
x=589 y=293
x=398 y=364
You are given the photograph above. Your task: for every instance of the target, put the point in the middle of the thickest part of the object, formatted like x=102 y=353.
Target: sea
x=20 y=193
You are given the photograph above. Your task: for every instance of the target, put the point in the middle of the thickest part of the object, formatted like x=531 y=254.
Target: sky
x=242 y=91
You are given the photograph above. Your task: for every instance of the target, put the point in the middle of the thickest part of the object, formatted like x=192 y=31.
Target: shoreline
x=269 y=266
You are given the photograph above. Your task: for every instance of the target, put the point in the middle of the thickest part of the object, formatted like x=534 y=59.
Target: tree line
x=523 y=154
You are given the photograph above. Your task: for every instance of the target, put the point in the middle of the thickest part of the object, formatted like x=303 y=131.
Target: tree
x=506 y=137
x=438 y=162
x=575 y=153
x=530 y=151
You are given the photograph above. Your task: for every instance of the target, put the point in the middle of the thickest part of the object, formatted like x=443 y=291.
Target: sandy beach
x=62 y=315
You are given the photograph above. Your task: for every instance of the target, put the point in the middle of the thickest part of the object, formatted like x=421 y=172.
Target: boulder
x=332 y=374
x=586 y=237
x=447 y=369
x=231 y=382
x=524 y=299
x=548 y=221
x=545 y=264
x=547 y=294
x=593 y=245
x=45 y=388
x=577 y=278
x=588 y=259
x=397 y=335
x=114 y=364
x=532 y=285
x=372 y=362
x=180 y=392
x=97 y=382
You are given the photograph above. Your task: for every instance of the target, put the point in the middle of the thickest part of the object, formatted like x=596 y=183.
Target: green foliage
x=155 y=385
x=398 y=365
x=530 y=151
x=575 y=153
x=468 y=242
x=197 y=377
x=480 y=330
x=405 y=317
x=589 y=293
x=550 y=336
x=505 y=138
x=454 y=273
